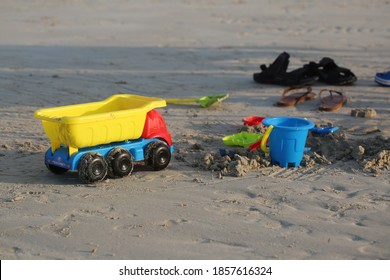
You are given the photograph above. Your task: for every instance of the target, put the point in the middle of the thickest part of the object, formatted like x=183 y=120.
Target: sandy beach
x=202 y=206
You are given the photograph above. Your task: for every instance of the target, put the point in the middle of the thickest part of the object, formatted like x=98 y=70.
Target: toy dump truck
x=106 y=138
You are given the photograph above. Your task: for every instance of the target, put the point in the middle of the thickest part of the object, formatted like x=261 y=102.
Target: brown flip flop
x=333 y=102
x=288 y=100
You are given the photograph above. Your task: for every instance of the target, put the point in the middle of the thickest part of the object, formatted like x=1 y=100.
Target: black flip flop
x=275 y=69
x=299 y=77
x=277 y=73
x=330 y=73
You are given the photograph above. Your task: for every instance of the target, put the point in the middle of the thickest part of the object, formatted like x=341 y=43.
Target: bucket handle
x=265 y=138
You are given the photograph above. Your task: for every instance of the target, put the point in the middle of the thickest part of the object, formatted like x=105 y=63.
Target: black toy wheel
x=92 y=168
x=120 y=163
x=56 y=169
x=158 y=155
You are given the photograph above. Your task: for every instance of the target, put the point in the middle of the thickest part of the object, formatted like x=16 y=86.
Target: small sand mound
x=236 y=164
x=372 y=154
x=29 y=146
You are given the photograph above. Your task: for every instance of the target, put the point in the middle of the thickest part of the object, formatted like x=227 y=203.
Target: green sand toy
x=242 y=139
x=205 y=101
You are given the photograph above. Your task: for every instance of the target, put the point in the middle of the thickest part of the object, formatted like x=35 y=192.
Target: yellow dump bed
x=118 y=118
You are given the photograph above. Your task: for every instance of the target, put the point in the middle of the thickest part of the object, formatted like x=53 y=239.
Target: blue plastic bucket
x=287 y=139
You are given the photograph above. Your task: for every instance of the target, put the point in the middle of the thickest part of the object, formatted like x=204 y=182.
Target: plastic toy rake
x=205 y=101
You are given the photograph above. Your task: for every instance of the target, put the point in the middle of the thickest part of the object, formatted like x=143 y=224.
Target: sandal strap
x=308 y=90
x=326 y=62
x=331 y=91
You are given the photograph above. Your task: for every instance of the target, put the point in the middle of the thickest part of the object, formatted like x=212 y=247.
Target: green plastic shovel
x=205 y=101
x=242 y=139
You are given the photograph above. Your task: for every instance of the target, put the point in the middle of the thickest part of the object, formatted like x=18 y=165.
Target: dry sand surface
x=334 y=206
